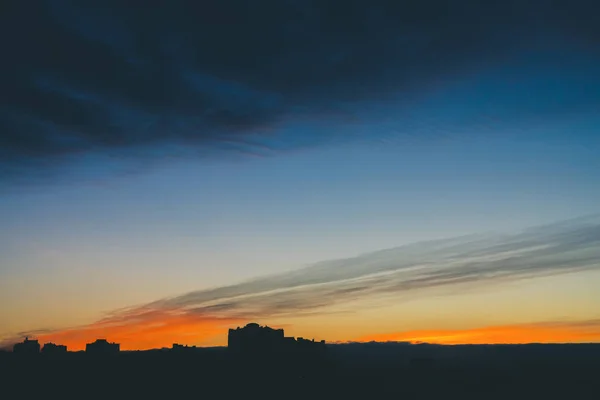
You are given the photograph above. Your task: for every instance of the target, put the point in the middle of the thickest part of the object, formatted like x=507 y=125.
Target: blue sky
x=139 y=171
x=197 y=224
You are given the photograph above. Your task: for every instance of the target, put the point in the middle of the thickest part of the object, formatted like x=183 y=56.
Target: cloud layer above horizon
x=110 y=77
x=449 y=265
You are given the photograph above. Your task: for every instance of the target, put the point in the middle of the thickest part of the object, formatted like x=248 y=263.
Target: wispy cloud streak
x=473 y=261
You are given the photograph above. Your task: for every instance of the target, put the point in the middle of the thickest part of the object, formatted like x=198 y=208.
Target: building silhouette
x=51 y=348
x=27 y=347
x=254 y=338
x=183 y=348
x=102 y=346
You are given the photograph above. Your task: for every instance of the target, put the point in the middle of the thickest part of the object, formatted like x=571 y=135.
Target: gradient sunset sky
x=346 y=170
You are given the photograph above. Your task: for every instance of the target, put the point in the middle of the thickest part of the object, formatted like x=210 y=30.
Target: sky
x=348 y=171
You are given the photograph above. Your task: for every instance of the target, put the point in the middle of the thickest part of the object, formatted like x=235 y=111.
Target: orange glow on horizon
x=504 y=334
x=145 y=330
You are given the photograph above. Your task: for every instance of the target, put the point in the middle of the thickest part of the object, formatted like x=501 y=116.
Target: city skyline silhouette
x=314 y=198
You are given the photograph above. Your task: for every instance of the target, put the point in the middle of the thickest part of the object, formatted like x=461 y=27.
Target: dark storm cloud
x=114 y=76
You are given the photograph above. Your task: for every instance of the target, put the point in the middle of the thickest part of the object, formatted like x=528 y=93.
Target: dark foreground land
x=365 y=371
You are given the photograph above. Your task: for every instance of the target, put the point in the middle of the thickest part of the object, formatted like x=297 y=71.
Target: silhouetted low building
x=254 y=338
x=183 y=348
x=263 y=351
x=52 y=349
x=27 y=347
x=102 y=346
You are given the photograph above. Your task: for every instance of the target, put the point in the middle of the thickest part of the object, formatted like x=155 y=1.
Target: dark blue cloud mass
x=114 y=76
